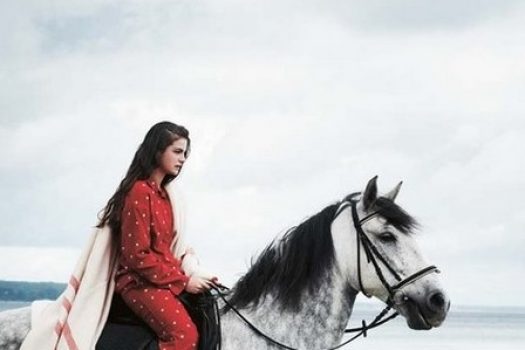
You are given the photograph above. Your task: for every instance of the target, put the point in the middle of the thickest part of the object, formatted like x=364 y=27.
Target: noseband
x=373 y=255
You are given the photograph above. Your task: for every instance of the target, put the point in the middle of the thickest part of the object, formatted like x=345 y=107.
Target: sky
x=290 y=104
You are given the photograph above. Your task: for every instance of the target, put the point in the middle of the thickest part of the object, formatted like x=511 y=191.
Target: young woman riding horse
x=137 y=252
x=149 y=278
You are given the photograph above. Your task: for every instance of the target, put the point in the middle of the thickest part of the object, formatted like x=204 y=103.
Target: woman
x=149 y=277
x=138 y=251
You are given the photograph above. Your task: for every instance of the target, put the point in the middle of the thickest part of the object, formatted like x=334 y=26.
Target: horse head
x=381 y=258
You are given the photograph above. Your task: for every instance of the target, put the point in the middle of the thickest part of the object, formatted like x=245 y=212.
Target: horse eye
x=387 y=237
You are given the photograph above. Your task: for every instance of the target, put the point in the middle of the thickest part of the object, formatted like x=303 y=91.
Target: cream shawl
x=75 y=320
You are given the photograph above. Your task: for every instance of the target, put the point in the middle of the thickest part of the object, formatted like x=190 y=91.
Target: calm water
x=466 y=328
x=6 y=305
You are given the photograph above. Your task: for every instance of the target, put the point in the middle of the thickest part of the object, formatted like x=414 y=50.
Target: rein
x=362 y=330
x=372 y=256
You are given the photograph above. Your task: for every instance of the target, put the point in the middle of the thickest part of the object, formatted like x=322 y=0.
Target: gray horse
x=301 y=289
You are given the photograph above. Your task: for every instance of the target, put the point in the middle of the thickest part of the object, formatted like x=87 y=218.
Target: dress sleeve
x=135 y=245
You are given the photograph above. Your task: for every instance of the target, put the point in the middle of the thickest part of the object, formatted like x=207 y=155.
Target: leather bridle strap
x=414 y=277
x=373 y=255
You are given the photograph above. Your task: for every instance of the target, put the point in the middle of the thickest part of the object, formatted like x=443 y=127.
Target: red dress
x=149 y=277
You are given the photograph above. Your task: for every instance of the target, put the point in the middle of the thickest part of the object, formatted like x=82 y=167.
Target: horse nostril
x=437 y=301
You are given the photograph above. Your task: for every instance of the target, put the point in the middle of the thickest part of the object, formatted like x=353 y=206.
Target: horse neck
x=318 y=322
x=320 y=318
x=343 y=235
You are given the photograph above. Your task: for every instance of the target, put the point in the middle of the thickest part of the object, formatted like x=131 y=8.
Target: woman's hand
x=198 y=284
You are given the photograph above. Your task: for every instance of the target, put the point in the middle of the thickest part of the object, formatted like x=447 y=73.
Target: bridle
x=373 y=255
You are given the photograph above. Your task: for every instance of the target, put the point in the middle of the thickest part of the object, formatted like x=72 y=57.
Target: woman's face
x=172 y=159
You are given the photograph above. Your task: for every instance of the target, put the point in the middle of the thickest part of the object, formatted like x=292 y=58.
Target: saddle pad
x=126 y=337
x=125 y=331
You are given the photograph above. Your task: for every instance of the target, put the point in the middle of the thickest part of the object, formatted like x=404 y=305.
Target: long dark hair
x=157 y=139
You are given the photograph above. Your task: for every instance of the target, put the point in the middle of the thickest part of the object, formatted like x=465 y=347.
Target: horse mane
x=290 y=265
x=302 y=258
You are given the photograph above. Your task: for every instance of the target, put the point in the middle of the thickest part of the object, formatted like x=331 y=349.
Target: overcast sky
x=291 y=105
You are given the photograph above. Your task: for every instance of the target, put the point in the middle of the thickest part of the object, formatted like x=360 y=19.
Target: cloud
x=415 y=16
x=39 y=264
x=290 y=106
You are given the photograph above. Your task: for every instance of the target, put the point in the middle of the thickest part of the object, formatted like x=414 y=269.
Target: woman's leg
x=166 y=316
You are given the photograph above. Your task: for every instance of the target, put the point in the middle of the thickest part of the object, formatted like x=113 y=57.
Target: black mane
x=299 y=260
x=290 y=265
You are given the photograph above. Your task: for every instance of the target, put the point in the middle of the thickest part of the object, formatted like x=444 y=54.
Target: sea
x=466 y=328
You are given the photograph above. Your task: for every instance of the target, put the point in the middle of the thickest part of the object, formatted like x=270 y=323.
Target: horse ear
x=393 y=194
x=370 y=194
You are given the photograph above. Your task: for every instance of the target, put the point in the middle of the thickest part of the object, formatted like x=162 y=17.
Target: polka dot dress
x=149 y=277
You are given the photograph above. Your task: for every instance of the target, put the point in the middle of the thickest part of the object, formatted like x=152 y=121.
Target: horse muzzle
x=423 y=312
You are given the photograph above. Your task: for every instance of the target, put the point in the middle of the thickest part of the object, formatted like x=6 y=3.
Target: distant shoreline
x=26 y=292
x=18 y=291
